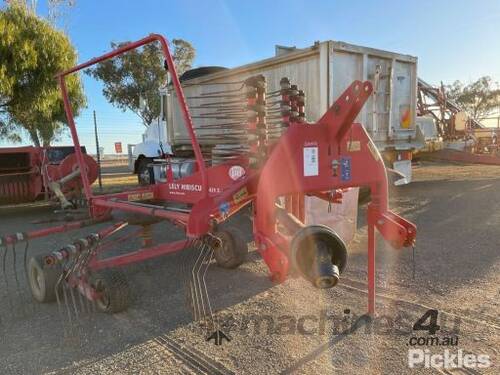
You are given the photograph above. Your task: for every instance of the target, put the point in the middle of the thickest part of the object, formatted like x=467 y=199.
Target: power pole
x=98 y=152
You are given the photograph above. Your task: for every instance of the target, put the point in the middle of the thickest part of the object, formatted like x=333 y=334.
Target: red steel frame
x=337 y=141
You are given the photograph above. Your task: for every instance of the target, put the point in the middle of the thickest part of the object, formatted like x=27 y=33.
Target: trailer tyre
x=231 y=250
x=145 y=175
x=115 y=290
x=43 y=279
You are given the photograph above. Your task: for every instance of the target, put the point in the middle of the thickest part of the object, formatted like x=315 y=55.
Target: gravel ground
x=287 y=328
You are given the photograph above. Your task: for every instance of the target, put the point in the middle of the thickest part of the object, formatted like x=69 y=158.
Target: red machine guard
x=346 y=157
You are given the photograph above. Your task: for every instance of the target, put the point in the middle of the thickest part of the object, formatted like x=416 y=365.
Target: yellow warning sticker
x=353 y=146
x=240 y=195
x=140 y=196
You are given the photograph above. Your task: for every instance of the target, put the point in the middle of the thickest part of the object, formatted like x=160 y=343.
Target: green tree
x=480 y=98
x=33 y=52
x=132 y=80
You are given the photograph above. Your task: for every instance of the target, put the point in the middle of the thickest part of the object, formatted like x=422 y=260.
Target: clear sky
x=453 y=39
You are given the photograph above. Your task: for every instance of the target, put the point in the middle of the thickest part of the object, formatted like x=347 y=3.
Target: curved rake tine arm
x=4 y=259
x=14 y=259
x=201 y=288
x=209 y=305
x=197 y=280
x=194 y=285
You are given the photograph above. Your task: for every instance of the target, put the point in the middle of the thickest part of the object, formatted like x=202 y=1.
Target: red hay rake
x=273 y=176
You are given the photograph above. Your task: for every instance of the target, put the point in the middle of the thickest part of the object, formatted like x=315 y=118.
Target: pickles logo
x=236 y=171
x=448 y=359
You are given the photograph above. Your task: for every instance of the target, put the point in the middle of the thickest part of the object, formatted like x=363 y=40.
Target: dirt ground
x=286 y=328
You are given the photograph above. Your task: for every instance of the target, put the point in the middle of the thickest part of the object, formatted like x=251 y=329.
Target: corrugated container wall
x=323 y=71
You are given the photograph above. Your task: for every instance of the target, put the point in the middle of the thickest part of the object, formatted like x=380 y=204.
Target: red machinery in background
x=272 y=176
x=29 y=173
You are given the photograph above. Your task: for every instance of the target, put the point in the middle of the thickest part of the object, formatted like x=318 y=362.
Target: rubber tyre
x=232 y=250
x=145 y=175
x=364 y=195
x=116 y=292
x=42 y=280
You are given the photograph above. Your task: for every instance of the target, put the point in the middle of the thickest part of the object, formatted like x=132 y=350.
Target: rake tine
x=197 y=283
x=14 y=261
x=4 y=258
x=68 y=310
x=92 y=306
x=211 y=253
x=83 y=307
x=79 y=264
x=72 y=293
x=194 y=301
x=56 y=290
x=88 y=305
x=194 y=285
x=201 y=272
x=25 y=259
x=201 y=300
x=199 y=280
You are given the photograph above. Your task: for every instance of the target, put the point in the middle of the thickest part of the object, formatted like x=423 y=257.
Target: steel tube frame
x=13 y=238
x=178 y=89
x=157 y=212
x=139 y=255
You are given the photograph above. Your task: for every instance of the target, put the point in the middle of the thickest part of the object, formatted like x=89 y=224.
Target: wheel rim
x=223 y=248
x=103 y=302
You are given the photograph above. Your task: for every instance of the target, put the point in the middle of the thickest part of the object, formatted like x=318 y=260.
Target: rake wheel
x=115 y=290
x=230 y=250
x=43 y=280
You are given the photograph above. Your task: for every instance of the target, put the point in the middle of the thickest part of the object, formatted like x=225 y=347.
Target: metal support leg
x=371 y=269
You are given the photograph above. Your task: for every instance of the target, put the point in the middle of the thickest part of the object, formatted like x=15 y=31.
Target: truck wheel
x=43 y=279
x=115 y=290
x=231 y=250
x=145 y=174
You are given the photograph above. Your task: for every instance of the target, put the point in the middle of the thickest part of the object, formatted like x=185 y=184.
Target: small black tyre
x=364 y=195
x=145 y=174
x=230 y=250
x=115 y=290
x=42 y=279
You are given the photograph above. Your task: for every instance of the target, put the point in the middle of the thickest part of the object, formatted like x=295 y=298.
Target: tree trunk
x=34 y=137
